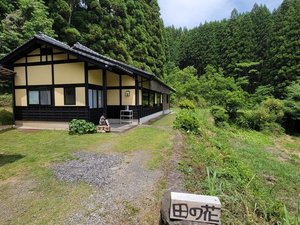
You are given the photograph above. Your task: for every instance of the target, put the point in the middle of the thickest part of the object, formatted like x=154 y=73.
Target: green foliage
x=6 y=117
x=292 y=101
x=21 y=24
x=81 y=127
x=219 y=114
x=184 y=81
x=188 y=121
x=289 y=219
x=212 y=184
x=173 y=38
x=267 y=116
x=238 y=166
x=260 y=46
x=284 y=51
x=5 y=100
x=6 y=6
x=201 y=102
x=5 y=86
x=274 y=108
x=248 y=119
x=249 y=73
x=186 y=104
x=262 y=93
x=129 y=31
x=222 y=91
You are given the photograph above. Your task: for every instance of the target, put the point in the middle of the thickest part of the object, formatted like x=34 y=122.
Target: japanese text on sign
x=199 y=208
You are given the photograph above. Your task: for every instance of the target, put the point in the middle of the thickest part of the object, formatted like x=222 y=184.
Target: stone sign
x=199 y=208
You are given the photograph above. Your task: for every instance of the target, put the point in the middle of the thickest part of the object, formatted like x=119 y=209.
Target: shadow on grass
x=5 y=159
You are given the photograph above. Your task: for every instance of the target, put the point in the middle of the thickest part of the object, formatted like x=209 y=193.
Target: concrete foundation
x=115 y=123
x=153 y=116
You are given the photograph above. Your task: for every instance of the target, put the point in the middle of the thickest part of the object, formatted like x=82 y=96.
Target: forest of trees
x=261 y=46
x=129 y=31
x=259 y=50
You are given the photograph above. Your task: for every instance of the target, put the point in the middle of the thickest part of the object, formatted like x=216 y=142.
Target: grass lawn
x=256 y=175
x=29 y=193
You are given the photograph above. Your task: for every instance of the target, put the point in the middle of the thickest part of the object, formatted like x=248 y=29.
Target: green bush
x=275 y=109
x=186 y=104
x=201 y=102
x=234 y=100
x=6 y=100
x=220 y=115
x=265 y=117
x=81 y=127
x=247 y=119
x=292 y=101
x=6 y=117
x=188 y=121
x=272 y=128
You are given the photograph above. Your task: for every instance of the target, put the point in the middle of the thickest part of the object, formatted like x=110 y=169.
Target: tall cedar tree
x=257 y=48
x=129 y=31
x=284 y=61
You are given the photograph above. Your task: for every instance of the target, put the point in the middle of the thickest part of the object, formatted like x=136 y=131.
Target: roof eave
x=101 y=61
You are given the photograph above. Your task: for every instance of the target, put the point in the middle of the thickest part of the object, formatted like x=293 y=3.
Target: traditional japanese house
x=57 y=83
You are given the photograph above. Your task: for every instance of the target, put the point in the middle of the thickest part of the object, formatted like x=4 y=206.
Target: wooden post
x=105 y=93
x=120 y=91
x=13 y=100
x=137 y=97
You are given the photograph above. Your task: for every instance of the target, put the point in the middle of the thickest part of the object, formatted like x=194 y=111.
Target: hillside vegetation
x=259 y=51
x=255 y=174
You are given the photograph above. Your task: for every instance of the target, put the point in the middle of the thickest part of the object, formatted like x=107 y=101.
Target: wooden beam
x=6 y=73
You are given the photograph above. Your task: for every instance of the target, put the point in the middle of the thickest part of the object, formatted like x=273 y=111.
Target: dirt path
x=124 y=200
x=133 y=196
x=174 y=176
x=103 y=184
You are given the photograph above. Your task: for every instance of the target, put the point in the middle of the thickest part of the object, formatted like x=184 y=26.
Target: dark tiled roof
x=81 y=47
x=62 y=45
x=84 y=53
x=48 y=39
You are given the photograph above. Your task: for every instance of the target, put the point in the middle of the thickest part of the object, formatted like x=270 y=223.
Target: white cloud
x=190 y=13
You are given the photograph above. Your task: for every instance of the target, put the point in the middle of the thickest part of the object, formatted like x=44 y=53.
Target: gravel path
x=123 y=187
x=92 y=168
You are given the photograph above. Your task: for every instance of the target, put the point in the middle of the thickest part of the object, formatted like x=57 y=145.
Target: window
x=45 y=97
x=100 y=101
x=34 y=97
x=158 y=99
x=39 y=97
x=70 y=96
x=167 y=97
x=152 y=99
x=145 y=98
x=95 y=99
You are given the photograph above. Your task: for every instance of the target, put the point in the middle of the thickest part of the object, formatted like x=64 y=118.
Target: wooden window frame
x=65 y=96
x=148 y=98
x=39 y=89
x=97 y=106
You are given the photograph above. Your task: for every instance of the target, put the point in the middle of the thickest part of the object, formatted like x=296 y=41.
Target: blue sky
x=190 y=13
